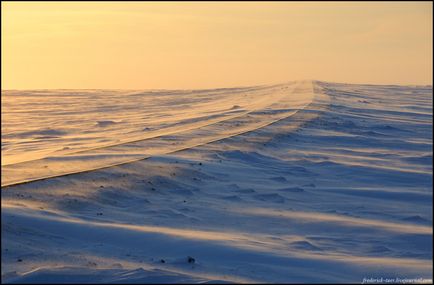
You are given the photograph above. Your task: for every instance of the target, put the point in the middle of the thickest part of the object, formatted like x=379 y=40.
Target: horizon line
x=214 y=88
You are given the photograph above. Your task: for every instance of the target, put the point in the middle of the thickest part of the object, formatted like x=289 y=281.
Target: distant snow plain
x=306 y=181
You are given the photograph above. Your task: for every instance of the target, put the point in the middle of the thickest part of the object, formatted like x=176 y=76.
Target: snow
x=299 y=182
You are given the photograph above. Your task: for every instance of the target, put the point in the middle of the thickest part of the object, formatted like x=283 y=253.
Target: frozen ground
x=299 y=182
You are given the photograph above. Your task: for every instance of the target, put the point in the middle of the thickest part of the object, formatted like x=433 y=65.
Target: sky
x=186 y=45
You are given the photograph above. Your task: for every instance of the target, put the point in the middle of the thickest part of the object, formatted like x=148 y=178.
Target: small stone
x=191 y=259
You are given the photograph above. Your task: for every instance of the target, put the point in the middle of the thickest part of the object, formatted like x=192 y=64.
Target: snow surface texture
x=299 y=182
x=49 y=156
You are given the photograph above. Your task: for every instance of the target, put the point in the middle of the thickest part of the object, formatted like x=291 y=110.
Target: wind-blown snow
x=299 y=182
x=28 y=160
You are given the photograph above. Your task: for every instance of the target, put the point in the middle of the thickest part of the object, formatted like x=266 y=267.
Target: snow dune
x=299 y=182
x=264 y=107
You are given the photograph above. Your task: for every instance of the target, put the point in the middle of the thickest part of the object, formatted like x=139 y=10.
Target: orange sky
x=141 y=45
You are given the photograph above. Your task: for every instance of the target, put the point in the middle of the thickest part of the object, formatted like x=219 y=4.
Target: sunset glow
x=136 y=45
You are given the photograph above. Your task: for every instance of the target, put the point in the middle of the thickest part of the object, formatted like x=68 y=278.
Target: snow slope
x=24 y=161
x=311 y=182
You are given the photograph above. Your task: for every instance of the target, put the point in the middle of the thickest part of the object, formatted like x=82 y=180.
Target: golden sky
x=142 y=45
